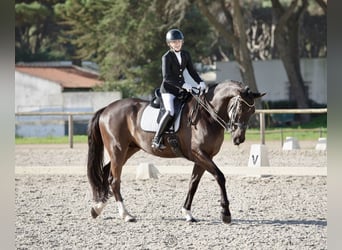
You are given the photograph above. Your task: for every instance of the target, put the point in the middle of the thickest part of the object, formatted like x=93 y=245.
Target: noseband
x=232 y=111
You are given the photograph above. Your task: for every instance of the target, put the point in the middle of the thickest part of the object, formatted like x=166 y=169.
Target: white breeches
x=168 y=100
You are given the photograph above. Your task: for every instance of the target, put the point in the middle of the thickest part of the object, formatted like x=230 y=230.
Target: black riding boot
x=157 y=140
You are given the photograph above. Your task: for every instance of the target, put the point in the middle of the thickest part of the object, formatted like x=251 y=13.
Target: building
x=271 y=77
x=56 y=87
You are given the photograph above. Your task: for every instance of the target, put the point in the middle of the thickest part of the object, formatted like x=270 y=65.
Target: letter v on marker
x=255 y=158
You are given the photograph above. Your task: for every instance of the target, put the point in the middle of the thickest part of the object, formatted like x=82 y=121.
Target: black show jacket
x=173 y=71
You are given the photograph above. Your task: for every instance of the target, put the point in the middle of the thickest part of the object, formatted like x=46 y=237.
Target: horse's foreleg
x=124 y=213
x=196 y=176
x=225 y=213
x=211 y=167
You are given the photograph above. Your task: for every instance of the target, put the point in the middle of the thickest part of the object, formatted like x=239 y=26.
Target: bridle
x=232 y=111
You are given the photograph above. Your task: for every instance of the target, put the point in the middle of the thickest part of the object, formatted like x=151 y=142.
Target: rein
x=232 y=112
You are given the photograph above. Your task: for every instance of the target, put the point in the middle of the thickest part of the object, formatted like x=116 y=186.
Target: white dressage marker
x=258 y=156
x=321 y=144
x=291 y=143
x=146 y=171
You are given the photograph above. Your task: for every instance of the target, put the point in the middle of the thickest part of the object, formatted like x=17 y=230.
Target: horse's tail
x=95 y=171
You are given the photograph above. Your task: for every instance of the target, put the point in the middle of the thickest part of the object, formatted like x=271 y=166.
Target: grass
x=312 y=130
x=50 y=140
x=316 y=128
x=274 y=134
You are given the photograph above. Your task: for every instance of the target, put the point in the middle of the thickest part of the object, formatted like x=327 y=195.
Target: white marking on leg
x=123 y=212
x=121 y=208
x=99 y=207
x=187 y=214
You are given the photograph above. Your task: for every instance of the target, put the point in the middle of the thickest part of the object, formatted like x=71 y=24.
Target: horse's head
x=240 y=108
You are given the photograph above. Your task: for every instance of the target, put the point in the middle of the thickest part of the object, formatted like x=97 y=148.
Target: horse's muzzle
x=237 y=140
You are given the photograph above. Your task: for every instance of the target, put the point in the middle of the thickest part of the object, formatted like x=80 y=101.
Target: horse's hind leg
x=116 y=183
x=196 y=176
x=116 y=169
x=98 y=208
x=112 y=171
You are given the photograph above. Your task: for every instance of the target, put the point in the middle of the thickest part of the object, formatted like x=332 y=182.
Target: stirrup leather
x=157 y=143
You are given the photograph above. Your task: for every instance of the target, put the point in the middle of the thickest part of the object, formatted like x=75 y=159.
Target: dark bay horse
x=227 y=105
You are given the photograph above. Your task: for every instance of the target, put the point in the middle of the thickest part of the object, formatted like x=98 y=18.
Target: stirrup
x=157 y=144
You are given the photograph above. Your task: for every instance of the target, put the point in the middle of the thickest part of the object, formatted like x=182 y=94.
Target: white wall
x=315 y=72
x=36 y=94
x=32 y=93
x=90 y=101
x=271 y=78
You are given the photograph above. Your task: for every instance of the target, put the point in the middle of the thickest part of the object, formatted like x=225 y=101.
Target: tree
x=232 y=28
x=127 y=39
x=80 y=19
x=228 y=21
x=323 y=5
x=116 y=35
x=36 y=31
x=287 y=42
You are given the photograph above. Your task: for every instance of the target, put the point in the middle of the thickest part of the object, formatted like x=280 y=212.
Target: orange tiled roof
x=67 y=77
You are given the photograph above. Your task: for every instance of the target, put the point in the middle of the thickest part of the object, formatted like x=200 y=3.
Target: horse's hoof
x=226 y=218
x=93 y=213
x=191 y=220
x=130 y=219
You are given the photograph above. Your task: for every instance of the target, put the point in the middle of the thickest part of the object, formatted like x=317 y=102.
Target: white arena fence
x=261 y=112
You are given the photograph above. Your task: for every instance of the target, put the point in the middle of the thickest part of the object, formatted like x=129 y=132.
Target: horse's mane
x=234 y=87
x=231 y=83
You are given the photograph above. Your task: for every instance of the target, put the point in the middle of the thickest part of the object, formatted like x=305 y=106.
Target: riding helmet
x=174 y=34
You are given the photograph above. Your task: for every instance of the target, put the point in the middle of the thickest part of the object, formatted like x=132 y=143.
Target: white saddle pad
x=149 y=120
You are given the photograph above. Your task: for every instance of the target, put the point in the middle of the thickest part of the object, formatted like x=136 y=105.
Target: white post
x=71 y=131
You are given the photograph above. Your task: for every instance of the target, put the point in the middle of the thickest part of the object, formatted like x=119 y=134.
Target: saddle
x=155 y=110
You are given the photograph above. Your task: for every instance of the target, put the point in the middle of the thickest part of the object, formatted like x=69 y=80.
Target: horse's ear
x=245 y=91
x=258 y=95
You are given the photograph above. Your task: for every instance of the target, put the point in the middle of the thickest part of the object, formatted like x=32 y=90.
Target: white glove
x=187 y=86
x=203 y=88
